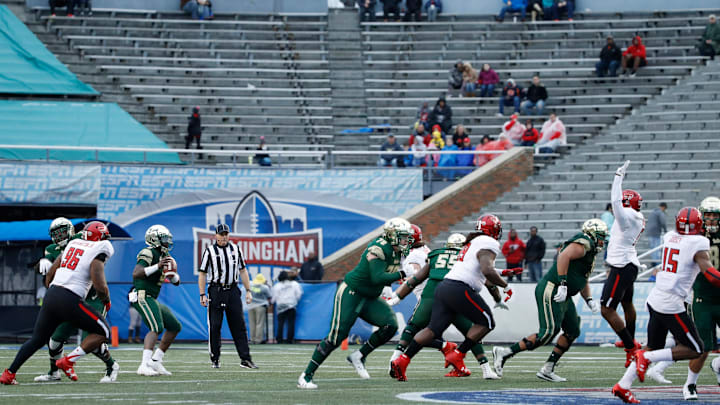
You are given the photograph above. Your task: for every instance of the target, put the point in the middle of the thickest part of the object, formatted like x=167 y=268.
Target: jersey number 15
x=72 y=258
x=669 y=260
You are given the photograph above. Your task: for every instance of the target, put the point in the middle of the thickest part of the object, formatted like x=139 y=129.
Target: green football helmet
x=597 y=231
x=711 y=205
x=61 y=230
x=398 y=232
x=159 y=237
x=456 y=241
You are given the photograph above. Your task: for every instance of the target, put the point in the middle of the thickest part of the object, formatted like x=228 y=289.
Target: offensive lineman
x=624 y=264
x=556 y=309
x=458 y=294
x=685 y=254
x=69 y=279
x=154 y=265
x=440 y=262
x=359 y=296
x=61 y=232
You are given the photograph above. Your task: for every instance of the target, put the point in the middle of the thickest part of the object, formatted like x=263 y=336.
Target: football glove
x=561 y=294
x=394 y=299
x=386 y=293
x=44 y=266
x=512 y=272
x=501 y=305
x=593 y=305
x=643 y=267
x=622 y=169
x=508 y=293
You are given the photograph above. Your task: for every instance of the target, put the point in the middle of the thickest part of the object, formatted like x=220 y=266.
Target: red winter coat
x=530 y=135
x=514 y=251
x=636 y=51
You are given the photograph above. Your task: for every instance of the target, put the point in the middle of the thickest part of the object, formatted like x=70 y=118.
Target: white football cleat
x=498 y=360
x=145 y=370
x=715 y=367
x=690 y=392
x=356 y=360
x=158 y=367
x=50 y=376
x=111 y=374
x=548 y=374
x=306 y=385
x=488 y=372
x=657 y=376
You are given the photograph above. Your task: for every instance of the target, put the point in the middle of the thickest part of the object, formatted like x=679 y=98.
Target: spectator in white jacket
x=286 y=295
x=552 y=135
x=513 y=130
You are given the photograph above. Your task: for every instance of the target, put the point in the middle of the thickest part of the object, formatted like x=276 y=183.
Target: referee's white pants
x=257 y=317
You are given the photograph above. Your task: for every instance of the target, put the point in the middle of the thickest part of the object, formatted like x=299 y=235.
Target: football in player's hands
x=168 y=264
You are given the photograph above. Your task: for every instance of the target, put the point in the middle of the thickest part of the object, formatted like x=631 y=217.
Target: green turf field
x=193 y=381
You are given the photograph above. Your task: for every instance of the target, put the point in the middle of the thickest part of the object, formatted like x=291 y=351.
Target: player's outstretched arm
x=413 y=281
x=378 y=275
x=486 y=258
x=97 y=275
x=51 y=273
x=702 y=258
x=616 y=196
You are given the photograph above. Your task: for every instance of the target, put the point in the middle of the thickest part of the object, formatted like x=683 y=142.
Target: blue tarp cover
x=17 y=231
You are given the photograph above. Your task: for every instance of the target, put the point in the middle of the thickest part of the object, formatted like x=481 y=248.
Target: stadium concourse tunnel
x=22 y=245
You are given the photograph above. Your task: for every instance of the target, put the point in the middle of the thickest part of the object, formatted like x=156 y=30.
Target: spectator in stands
x=263 y=159
x=441 y=115
x=513 y=130
x=510 y=97
x=448 y=160
x=194 y=129
x=536 y=96
x=286 y=295
x=419 y=132
x=514 y=252
x=654 y=229
x=610 y=57
x=710 y=40
x=548 y=9
x=414 y=10
x=465 y=160
x=367 y=10
x=423 y=113
x=470 y=78
x=501 y=144
x=485 y=139
x=311 y=269
x=437 y=143
x=197 y=9
x=390 y=145
x=535 y=8
x=455 y=77
x=488 y=79
x=530 y=136
x=433 y=8
x=419 y=152
x=564 y=6
x=83 y=7
x=513 y=6
x=68 y=4
x=459 y=134
x=634 y=56
x=391 y=7
x=552 y=135
x=534 y=253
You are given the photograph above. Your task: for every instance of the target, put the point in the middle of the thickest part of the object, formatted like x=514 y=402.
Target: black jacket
x=534 y=249
x=535 y=93
x=610 y=53
x=194 y=127
x=440 y=115
x=312 y=269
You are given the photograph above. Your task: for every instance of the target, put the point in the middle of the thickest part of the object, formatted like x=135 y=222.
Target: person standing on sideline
x=194 y=129
x=534 y=253
x=514 y=252
x=221 y=265
x=257 y=309
x=287 y=293
x=311 y=269
x=655 y=229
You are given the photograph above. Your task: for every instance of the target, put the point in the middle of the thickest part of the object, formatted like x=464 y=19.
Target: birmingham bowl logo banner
x=270 y=235
x=276 y=229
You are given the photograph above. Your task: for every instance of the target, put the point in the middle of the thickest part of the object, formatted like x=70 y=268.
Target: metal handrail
x=644 y=273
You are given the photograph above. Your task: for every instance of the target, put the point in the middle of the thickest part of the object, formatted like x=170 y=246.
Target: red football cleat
x=8 y=378
x=457 y=373
x=626 y=395
x=67 y=367
x=619 y=344
x=630 y=354
x=456 y=359
x=447 y=348
x=400 y=366
x=642 y=364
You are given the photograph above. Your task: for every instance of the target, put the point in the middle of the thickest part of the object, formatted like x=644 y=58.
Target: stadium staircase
x=673 y=148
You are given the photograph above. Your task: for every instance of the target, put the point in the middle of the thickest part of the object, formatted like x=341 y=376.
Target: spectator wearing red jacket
x=531 y=135
x=514 y=252
x=634 y=56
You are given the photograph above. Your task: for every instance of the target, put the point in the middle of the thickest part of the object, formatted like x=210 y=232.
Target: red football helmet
x=689 y=221
x=489 y=225
x=417 y=234
x=96 y=231
x=631 y=198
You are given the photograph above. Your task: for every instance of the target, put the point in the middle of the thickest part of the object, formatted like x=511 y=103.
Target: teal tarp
x=28 y=67
x=62 y=123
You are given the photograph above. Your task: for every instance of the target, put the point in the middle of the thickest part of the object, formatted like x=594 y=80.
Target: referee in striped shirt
x=221 y=266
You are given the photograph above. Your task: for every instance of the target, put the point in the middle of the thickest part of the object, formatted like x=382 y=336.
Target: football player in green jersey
x=154 y=265
x=61 y=232
x=359 y=296
x=556 y=310
x=440 y=261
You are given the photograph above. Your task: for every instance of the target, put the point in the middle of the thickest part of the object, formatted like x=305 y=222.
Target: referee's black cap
x=222 y=228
